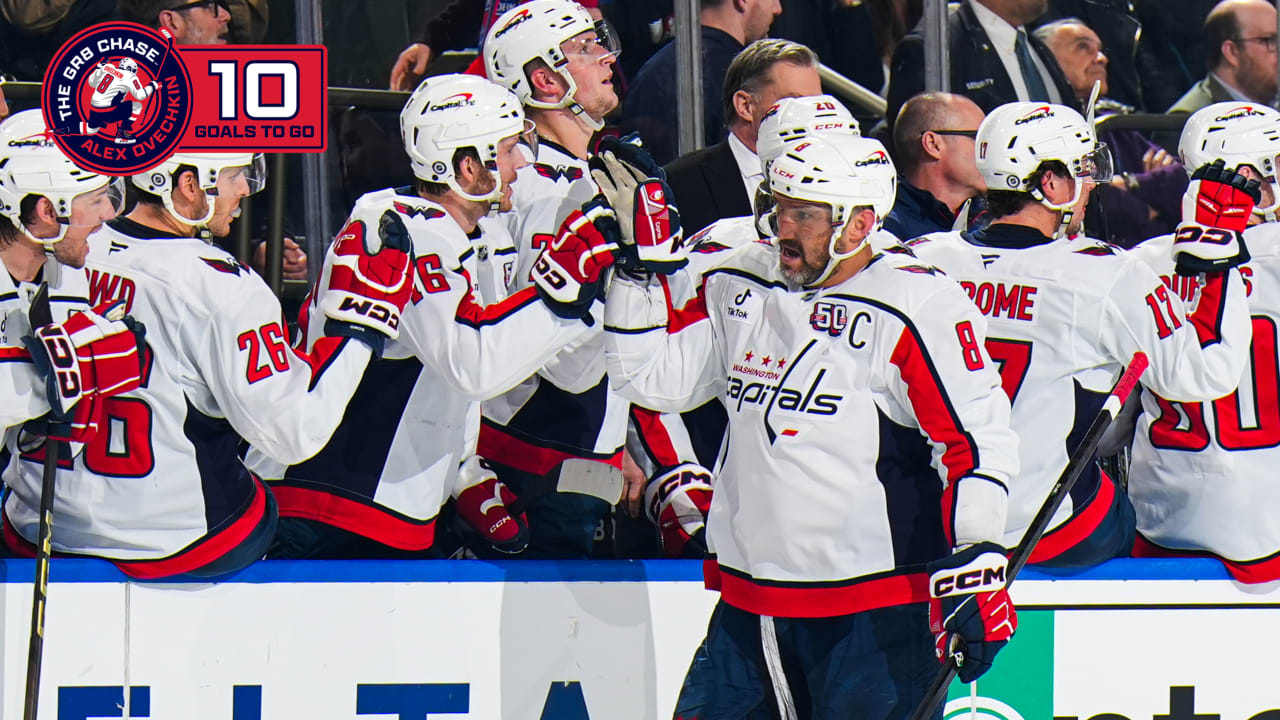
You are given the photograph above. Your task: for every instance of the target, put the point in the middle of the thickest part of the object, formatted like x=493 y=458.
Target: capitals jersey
x=22 y=389
x=394 y=459
x=1065 y=316
x=566 y=410
x=1202 y=476
x=161 y=489
x=867 y=430
x=113 y=85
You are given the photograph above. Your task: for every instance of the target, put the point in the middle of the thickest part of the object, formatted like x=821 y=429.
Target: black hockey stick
x=40 y=316
x=1075 y=465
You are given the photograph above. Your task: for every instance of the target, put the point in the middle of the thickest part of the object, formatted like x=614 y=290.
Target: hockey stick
x=40 y=316
x=576 y=475
x=1075 y=465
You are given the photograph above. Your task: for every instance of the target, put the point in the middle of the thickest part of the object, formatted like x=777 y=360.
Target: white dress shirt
x=748 y=167
x=1004 y=36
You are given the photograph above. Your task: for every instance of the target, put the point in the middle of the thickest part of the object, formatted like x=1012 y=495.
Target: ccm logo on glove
x=983 y=574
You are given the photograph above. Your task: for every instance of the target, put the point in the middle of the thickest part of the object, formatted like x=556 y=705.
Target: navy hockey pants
x=562 y=526
x=872 y=665
x=1112 y=537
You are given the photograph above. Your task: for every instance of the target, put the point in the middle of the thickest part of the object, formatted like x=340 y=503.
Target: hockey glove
x=677 y=501
x=651 y=235
x=630 y=151
x=369 y=284
x=970 y=613
x=1215 y=211
x=484 y=503
x=98 y=352
x=569 y=272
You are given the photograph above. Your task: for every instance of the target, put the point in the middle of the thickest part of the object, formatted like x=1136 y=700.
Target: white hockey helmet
x=1239 y=133
x=128 y=64
x=797 y=117
x=32 y=164
x=1016 y=138
x=450 y=112
x=535 y=31
x=842 y=171
x=209 y=168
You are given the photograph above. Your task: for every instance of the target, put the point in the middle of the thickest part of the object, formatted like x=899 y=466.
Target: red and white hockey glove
x=569 y=272
x=370 y=281
x=970 y=613
x=652 y=239
x=96 y=352
x=484 y=503
x=677 y=501
x=1215 y=211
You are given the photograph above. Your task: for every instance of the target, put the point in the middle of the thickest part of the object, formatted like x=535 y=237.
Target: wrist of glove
x=677 y=501
x=96 y=352
x=569 y=273
x=490 y=509
x=79 y=426
x=970 y=613
x=368 y=284
x=650 y=234
x=1216 y=209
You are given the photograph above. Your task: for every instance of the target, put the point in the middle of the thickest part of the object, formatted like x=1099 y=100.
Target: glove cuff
x=374 y=339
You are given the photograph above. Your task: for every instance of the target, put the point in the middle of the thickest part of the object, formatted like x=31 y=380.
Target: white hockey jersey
x=394 y=458
x=1201 y=478
x=566 y=410
x=22 y=390
x=1065 y=316
x=111 y=85
x=161 y=489
x=867 y=430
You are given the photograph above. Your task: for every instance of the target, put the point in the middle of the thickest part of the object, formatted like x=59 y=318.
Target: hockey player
x=1065 y=315
x=559 y=63
x=1201 y=476
x=48 y=209
x=675 y=450
x=868 y=440
x=376 y=488
x=161 y=490
x=113 y=86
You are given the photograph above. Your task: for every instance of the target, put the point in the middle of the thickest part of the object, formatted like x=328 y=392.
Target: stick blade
x=590 y=477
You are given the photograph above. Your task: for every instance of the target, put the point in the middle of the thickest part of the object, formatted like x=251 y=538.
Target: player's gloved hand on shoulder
x=369 y=281
x=970 y=613
x=652 y=239
x=489 y=508
x=677 y=500
x=569 y=273
x=1215 y=211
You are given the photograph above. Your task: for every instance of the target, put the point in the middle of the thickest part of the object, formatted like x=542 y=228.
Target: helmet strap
x=48 y=242
x=835 y=257
x=568 y=102
x=167 y=199
x=1067 y=209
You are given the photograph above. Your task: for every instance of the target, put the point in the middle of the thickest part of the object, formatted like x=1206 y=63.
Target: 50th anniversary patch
x=117 y=98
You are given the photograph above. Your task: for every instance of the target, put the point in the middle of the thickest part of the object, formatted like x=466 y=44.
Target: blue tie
x=1036 y=91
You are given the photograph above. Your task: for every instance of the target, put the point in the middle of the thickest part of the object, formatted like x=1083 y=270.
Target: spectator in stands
x=651 y=107
x=462 y=23
x=993 y=59
x=720 y=181
x=201 y=22
x=1118 y=28
x=1171 y=49
x=933 y=141
x=1145 y=198
x=206 y=22
x=1240 y=52
x=31 y=31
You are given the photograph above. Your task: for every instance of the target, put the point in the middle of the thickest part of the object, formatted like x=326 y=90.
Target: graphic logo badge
x=117 y=98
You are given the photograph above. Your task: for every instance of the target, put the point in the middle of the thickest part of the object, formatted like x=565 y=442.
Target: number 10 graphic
x=254 y=72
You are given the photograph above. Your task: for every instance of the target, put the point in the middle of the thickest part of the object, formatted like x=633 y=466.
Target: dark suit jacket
x=976 y=70
x=1206 y=92
x=708 y=187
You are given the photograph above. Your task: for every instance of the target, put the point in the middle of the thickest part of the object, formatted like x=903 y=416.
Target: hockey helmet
x=536 y=31
x=449 y=112
x=1239 y=133
x=214 y=171
x=1016 y=138
x=32 y=164
x=791 y=119
x=128 y=64
x=842 y=171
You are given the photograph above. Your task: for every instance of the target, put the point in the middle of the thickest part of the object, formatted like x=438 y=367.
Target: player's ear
x=545 y=82
x=45 y=213
x=742 y=102
x=188 y=186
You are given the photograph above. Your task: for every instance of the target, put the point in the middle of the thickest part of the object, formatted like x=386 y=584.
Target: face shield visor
x=88 y=210
x=593 y=45
x=239 y=180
